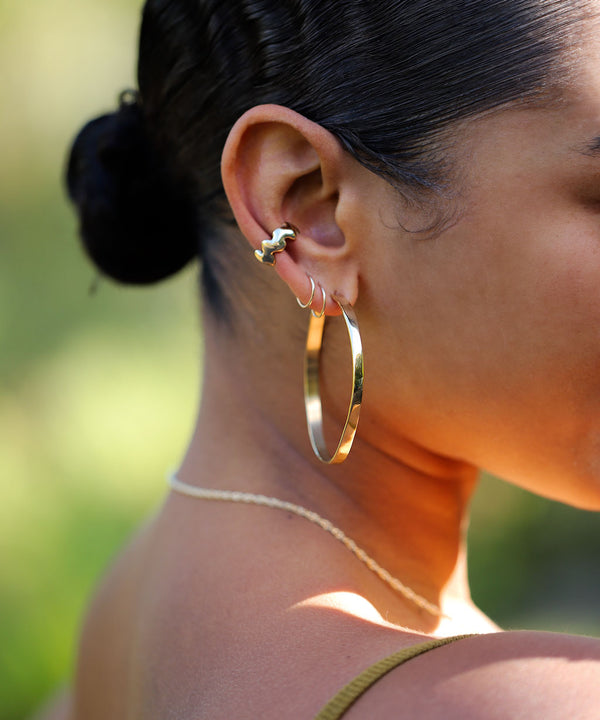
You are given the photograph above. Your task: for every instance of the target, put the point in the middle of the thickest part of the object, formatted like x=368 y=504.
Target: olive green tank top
x=341 y=703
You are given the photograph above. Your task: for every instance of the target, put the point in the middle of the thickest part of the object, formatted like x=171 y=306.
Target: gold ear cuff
x=277 y=243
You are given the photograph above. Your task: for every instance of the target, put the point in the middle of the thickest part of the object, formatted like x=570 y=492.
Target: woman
x=424 y=178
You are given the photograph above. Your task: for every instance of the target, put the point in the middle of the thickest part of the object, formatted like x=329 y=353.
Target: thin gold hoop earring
x=322 y=311
x=312 y=394
x=312 y=295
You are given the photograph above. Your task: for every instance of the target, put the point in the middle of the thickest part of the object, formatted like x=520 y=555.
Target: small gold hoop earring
x=312 y=295
x=322 y=312
x=312 y=395
x=275 y=244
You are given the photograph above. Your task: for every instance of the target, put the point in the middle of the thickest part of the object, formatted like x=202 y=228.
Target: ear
x=279 y=167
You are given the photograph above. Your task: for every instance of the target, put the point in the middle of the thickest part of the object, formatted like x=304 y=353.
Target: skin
x=482 y=349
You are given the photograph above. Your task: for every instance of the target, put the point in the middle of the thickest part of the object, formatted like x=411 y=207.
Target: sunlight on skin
x=359 y=607
x=347 y=602
x=458 y=622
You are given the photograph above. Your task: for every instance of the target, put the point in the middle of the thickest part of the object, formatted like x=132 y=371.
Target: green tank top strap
x=340 y=704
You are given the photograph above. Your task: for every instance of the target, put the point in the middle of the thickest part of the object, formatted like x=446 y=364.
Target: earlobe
x=277 y=168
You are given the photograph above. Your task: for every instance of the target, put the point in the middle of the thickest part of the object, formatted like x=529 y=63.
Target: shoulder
x=108 y=635
x=504 y=675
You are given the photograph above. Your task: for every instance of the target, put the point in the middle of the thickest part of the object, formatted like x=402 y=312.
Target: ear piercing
x=322 y=311
x=312 y=295
x=278 y=243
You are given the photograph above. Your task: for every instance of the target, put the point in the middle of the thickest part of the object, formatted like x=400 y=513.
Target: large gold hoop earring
x=312 y=395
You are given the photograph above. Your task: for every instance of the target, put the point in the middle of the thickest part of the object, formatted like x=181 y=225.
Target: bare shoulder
x=503 y=675
x=106 y=647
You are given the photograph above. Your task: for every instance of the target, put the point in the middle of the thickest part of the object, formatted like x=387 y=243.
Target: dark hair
x=385 y=77
x=123 y=188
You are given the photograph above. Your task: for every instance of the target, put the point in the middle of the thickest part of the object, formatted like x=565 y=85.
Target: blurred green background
x=98 y=390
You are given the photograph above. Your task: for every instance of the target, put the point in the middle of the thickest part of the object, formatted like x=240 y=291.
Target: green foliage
x=96 y=403
x=97 y=392
x=533 y=562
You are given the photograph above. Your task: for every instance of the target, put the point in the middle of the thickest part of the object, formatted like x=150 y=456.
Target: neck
x=407 y=508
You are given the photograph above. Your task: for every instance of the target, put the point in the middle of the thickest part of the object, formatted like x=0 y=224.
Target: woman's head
x=387 y=79
x=480 y=342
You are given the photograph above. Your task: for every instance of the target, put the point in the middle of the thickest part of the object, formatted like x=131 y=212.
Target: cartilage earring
x=276 y=244
x=312 y=394
x=312 y=295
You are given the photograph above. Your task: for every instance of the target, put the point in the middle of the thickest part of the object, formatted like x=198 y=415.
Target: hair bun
x=136 y=223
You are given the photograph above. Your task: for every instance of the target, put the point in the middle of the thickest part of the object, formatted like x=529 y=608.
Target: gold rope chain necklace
x=265 y=501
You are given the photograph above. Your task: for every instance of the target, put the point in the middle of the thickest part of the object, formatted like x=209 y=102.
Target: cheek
x=498 y=333
x=523 y=288
x=552 y=298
